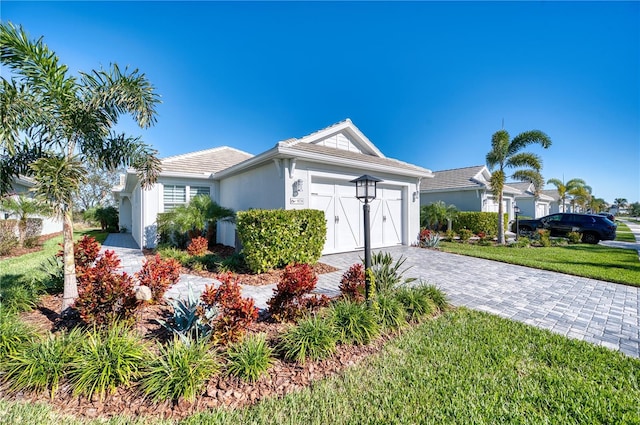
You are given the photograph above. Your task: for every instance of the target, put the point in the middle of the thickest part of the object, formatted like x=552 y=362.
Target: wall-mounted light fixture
x=415 y=196
x=299 y=185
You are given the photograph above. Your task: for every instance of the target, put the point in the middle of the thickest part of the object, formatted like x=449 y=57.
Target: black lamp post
x=516 y=210
x=366 y=192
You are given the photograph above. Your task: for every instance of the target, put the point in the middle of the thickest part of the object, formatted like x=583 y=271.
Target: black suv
x=594 y=228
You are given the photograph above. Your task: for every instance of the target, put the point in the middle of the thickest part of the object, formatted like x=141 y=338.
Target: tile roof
x=206 y=161
x=458 y=178
x=371 y=159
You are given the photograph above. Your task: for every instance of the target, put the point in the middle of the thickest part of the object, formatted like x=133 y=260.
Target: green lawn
x=17 y=274
x=594 y=261
x=465 y=367
x=624 y=234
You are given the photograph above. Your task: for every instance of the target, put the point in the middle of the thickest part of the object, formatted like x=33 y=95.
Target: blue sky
x=427 y=82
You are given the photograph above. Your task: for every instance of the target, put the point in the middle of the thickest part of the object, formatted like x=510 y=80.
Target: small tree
x=506 y=154
x=434 y=215
x=23 y=207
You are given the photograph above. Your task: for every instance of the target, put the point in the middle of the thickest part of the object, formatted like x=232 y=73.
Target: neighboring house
x=23 y=185
x=556 y=205
x=468 y=189
x=531 y=205
x=312 y=172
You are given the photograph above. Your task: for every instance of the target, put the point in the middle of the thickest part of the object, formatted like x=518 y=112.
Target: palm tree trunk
x=70 y=285
x=501 y=239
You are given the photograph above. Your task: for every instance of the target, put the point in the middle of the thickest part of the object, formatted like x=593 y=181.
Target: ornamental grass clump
x=180 y=370
x=41 y=365
x=250 y=358
x=416 y=302
x=14 y=334
x=313 y=338
x=436 y=295
x=391 y=313
x=354 y=322
x=106 y=360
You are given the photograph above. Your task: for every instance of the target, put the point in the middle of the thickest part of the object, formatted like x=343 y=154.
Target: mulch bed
x=221 y=391
x=16 y=252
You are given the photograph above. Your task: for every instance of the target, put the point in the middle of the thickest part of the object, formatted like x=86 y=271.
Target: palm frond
x=531 y=176
x=527 y=138
x=58 y=179
x=525 y=159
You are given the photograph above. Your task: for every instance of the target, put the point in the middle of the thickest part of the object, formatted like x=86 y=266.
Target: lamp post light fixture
x=516 y=210
x=366 y=192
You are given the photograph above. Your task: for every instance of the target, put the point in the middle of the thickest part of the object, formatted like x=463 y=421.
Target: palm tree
x=193 y=219
x=506 y=154
x=23 y=207
x=620 y=203
x=597 y=205
x=66 y=123
x=563 y=189
x=434 y=215
x=581 y=197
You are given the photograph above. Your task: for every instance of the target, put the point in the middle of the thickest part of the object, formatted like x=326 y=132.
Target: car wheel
x=591 y=238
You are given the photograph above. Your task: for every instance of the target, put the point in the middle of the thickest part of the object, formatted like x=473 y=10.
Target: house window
x=199 y=190
x=174 y=195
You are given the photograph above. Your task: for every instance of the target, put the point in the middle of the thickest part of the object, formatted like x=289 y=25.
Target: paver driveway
x=602 y=313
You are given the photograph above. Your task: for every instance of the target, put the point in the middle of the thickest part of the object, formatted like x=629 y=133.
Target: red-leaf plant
x=292 y=297
x=158 y=274
x=104 y=295
x=235 y=312
x=352 y=284
x=198 y=246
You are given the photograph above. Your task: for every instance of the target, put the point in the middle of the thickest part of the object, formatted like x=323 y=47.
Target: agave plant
x=191 y=319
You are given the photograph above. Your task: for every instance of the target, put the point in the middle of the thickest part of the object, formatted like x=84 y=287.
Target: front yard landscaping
x=465 y=367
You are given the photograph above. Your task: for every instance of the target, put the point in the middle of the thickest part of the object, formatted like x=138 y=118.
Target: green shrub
x=522 y=242
x=543 y=237
x=486 y=222
x=465 y=234
x=180 y=370
x=275 y=238
x=388 y=275
x=41 y=365
x=312 y=338
x=354 y=322
x=391 y=313
x=106 y=360
x=574 y=237
x=416 y=302
x=8 y=237
x=14 y=334
x=436 y=295
x=51 y=278
x=19 y=294
x=175 y=253
x=250 y=358
x=32 y=232
x=234 y=263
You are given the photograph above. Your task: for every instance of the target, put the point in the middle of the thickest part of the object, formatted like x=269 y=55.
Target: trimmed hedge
x=276 y=238
x=477 y=222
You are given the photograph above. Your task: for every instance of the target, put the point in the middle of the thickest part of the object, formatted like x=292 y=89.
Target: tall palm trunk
x=501 y=239
x=70 y=286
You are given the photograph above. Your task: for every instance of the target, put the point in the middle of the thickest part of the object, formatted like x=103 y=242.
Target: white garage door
x=345 y=217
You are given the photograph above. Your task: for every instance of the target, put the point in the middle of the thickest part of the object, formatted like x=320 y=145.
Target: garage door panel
x=344 y=215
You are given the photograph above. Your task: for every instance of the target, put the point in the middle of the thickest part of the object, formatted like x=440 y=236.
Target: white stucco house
x=310 y=172
x=467 y=188
x=22 y=185
x=531 y=205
